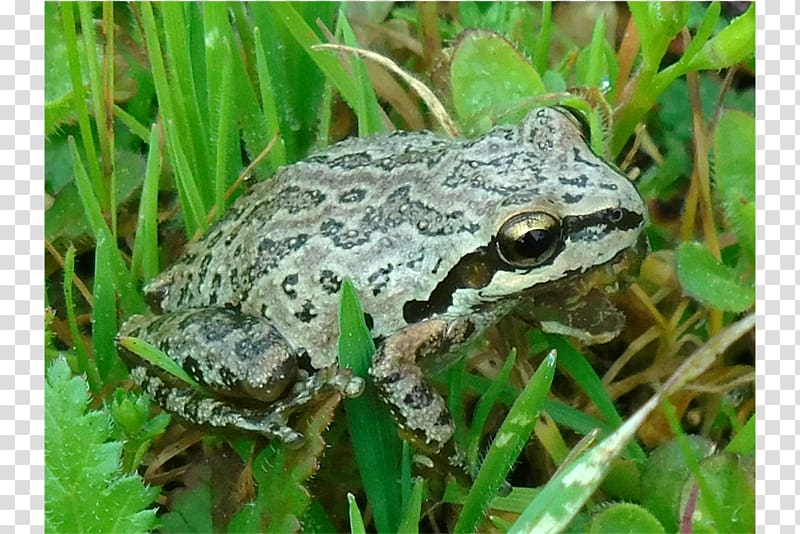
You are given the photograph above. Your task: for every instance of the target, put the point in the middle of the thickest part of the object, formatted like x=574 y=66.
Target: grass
x=150 y=124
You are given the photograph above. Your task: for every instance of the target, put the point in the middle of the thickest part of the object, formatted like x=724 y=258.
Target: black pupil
x=533 y=244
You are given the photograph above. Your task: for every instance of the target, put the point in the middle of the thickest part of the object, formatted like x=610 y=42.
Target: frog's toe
x=278 y=431
x=350 y=386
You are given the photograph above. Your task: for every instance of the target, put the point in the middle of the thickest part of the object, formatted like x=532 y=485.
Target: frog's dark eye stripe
x=529 y=239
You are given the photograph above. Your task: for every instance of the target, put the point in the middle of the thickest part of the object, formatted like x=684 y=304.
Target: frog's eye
x=528 y=239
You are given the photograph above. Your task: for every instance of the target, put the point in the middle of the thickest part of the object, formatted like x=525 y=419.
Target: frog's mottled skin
x=413 y=220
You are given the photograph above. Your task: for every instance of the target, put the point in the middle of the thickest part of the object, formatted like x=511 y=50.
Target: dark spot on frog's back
x=419 y=397
x=380 y=278
x=355 y=194
x=444 y=418
x=608 y=186
x=193 y=369
x=269 y=254
x=307 y=313
x=392 y=378
x=520 y=198
x=344 y=239
x=227 y=377
x=571 y=199
x=288 y=285
x=577 y=181
x=329 y=281
x=330 y=227
x=295 y=199
x=280 y=248
x=352 y=161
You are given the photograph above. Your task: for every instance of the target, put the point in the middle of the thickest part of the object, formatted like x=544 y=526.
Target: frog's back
x=283 y=249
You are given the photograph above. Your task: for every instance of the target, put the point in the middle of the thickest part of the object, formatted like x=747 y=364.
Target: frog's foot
x=249 y=374
x=419 y=410
x=270 y=420
x=218 y=415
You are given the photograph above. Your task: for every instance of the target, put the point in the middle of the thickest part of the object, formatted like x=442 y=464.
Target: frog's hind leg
x=214 y=414
x=249 y=374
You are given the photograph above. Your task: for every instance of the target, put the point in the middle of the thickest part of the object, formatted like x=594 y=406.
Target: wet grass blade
x=508 y=443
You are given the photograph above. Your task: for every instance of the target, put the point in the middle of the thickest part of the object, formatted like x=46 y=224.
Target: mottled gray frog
x=442 y=238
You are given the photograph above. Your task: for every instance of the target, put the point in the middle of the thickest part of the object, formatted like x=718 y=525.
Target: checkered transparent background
x=777 y=278
x=21 y=267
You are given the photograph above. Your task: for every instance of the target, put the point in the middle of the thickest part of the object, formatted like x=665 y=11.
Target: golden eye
x=529 y=239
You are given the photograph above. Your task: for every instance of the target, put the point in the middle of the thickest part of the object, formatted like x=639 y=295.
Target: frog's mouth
x=579 y=305
x=611 y=277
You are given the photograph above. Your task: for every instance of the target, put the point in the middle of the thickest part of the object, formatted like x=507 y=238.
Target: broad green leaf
x=489 y=79
x=85 y=489
x=711 y=282
x=663 y=477
x=735 y=174
x=625 y=518
x=282 y=474
x=191 y=511
x=730 y=481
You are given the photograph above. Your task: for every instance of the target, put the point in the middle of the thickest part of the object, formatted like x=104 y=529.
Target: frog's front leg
x=418 y=409
x=251 y=373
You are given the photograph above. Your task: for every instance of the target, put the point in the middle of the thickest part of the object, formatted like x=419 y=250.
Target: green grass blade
x=542 y=47
x=576 y=365
x=356 y=521
x=326 y=61
x=562 y=497
x=191 y=200
x=79 y=100
x=136 y=127
x=85 y=364
x=278 y=155
x=410 y=521
x=253 y=127
x=157 y=358
x=375 y=441
x=96 y=87
x=225 y=119
x=129 y=295
x=594 y=71
x=191 y=125
x=368 y=110
x=145 y=247
x=484 y=408
x=508 y=443
x=104 y=311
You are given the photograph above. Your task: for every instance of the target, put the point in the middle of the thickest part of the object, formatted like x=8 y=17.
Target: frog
x=442 y=237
